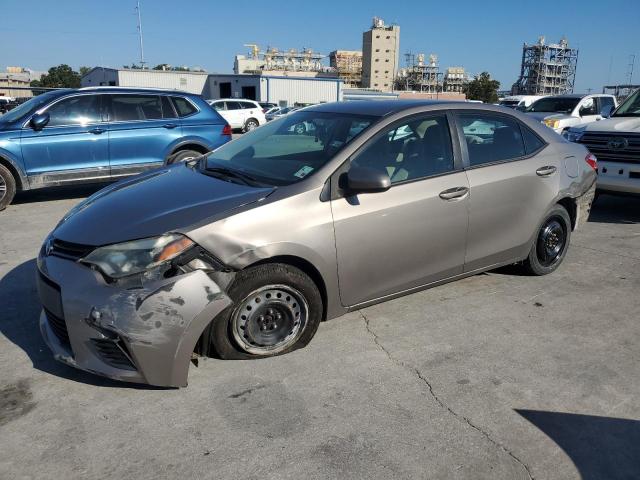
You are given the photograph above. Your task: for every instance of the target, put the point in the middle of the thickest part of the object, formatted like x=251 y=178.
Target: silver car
x=241 y=253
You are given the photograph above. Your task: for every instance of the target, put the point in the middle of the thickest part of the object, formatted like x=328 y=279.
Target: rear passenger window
x=167 y=108
x=411 y=150
x=184 y=107
x=491 y=138
x=233 y=105
x=532 y=142
x=248 y=105
x=136 y=107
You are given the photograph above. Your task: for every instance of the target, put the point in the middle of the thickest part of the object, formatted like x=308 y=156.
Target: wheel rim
x=270 y=319
x=551 y=242
x=3 y=188
x=251 y=126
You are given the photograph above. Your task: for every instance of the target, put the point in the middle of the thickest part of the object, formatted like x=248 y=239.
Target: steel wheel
x=251 y=125
x=269 y=319
x=551 y=242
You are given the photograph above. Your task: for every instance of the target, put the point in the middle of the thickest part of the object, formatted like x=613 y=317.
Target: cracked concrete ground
x=495 y=376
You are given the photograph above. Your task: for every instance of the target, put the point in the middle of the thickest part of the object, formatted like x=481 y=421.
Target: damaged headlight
x=572 y=135
x=123 y=259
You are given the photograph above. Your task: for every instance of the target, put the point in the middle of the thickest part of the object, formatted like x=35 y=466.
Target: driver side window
x=588 y=107
x=78 y=110
x=411 y=150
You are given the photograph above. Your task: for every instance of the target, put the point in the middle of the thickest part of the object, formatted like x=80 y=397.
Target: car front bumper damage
x=143 y=335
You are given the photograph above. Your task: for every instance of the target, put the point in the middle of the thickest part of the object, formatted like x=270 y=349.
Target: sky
x=479 y=35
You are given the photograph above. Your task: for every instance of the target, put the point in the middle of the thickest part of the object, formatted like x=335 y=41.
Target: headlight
x=552 y=123
x=572 y=136
x=123 y=259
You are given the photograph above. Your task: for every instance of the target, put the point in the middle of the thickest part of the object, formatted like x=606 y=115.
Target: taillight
x=227 y=130
x=592 y=161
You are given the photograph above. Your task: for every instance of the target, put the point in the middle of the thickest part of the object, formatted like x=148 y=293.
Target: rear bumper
x=144 y=335
x=583 y=206
x=619 y=177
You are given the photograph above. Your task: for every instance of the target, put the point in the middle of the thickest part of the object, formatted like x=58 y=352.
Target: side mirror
x=607 y=111
x=367 y=180
x=39 y=121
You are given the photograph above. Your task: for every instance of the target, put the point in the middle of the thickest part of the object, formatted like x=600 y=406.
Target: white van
x=239 y=113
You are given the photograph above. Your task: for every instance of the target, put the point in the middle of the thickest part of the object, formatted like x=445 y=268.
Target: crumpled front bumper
x=144 y=335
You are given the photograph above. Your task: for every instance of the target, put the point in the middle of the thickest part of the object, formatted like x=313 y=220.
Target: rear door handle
x=546 y=171
x=170 y=125
x=454 y=193
x=97 y=131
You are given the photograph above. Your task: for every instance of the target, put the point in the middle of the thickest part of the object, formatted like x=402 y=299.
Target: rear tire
x=251 y=124
x=183 y=156
x=7 y=187
x=259 y=325
x=551 y=243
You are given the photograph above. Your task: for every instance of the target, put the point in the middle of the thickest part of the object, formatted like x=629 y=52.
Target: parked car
x=6 y=104
x=101 y=134
x=560 y=112
x=282 y=111
x=616 y=143
x=268 y=235
x=267 y=106
x=519 y=102
x=241 y=114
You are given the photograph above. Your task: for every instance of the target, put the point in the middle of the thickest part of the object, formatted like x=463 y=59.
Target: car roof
x=133 y=90
x=232 y=100
x=381 y=108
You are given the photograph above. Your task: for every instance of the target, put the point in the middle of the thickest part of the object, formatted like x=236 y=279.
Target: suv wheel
x=551 y=243
x=276 y=309
x=7 y=187
x=251 y=124
x=183 y=156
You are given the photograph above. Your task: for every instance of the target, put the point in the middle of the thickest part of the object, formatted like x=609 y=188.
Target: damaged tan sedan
x=241 y=253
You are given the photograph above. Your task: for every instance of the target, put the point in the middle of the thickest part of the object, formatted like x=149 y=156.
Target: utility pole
x=142 y=62
x=632 y=61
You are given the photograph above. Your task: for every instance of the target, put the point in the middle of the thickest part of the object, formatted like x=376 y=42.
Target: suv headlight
x=129 y=258
x=551 y=123
x=572 y=136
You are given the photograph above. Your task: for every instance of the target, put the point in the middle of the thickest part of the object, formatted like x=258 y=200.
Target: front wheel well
x=14 y=172
x=569 y=205
x=307 y=267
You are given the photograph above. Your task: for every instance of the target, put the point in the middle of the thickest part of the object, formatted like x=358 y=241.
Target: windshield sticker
x=303 y=172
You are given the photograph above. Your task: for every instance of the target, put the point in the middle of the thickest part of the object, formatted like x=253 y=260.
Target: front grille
x=59 y=328
x=598 y=144
x=68 y=250
x=114 y=353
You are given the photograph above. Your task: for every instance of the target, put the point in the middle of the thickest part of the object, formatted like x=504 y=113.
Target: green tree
x=84 y=71
x=483 y=88
x=62 y=76
x=162 y=66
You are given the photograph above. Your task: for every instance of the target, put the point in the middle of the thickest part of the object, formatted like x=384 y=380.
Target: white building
x=283 y=90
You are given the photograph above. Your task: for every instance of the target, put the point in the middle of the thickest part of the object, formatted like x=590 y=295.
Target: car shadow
x=599 y=447
x=20 y=325
x=69 y=192
x=615 y=209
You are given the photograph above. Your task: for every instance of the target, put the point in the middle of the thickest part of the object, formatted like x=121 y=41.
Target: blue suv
x=102 y=134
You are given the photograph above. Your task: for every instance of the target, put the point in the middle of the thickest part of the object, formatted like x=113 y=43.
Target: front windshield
x=554 y=105
x=290 y=148
x=29 y=106
x=630 y=107
x=509 y=103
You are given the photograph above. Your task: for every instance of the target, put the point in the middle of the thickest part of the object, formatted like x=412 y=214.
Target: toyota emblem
x=618 y=143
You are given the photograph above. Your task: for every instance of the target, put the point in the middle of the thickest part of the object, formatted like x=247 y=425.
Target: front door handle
x=97 y=131
x=454 y=193
x=170 y=125
x=546 y=171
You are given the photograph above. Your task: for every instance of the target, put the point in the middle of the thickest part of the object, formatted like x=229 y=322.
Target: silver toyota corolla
x=241 y=253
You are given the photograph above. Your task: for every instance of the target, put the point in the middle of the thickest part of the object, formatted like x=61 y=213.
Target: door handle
x=454 y=193
x=170 y=125
x=546 y=171
x=97 y=131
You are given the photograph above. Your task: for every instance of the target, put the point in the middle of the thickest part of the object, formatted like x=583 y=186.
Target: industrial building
x=547 y=69
x=283 y=90
x=455 y=79
x=380 y=50
x=192 y=82
x=15 y=80
x=347 y=65
x=274 y=61
x=419 y=76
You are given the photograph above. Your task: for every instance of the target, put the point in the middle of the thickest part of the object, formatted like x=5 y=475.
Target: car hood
x=168 y=199
x=541 y=116
x=613 y=124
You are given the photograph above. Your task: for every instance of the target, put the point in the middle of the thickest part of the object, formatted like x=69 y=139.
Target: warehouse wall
x=296 y=90
x=100 y=76
x=186 y=81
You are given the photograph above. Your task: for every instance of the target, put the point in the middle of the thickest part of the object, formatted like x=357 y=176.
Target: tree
x=162 y=66
x=62 y=76
x=84 y=71
x=483 y=88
